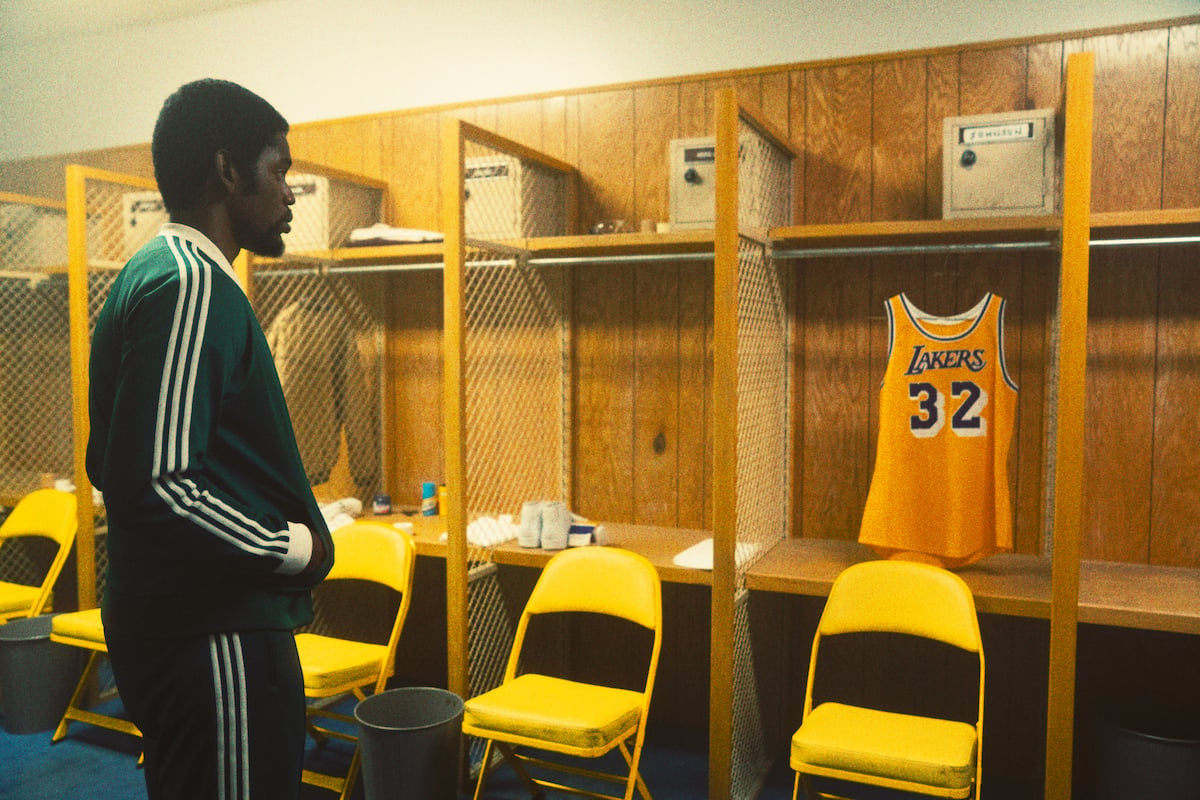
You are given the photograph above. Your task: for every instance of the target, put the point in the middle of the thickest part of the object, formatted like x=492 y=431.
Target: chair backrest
x=372 y=551
x=598 y=580
x=375 y=552
x=601 y=580
x=44 y=512
x=903 y=597
x=49 y=513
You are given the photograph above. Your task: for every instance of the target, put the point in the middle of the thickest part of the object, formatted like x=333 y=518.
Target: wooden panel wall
x=869 y=134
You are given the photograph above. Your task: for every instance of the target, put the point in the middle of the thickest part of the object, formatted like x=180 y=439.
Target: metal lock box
x=144 y=214
x=32 y=237
x=999 y=165
x=507 y=198
x=326 y=211
x=693 y=179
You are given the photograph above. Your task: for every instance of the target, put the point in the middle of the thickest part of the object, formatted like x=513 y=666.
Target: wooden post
x=725 y=433
x=1068 y=462
x=454 y=410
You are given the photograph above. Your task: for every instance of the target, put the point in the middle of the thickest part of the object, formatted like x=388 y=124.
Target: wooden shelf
x=1008 y=584
x=427 y=531
x=416 y=253
x=621 y=244
x=983 y=230
x=659 y=545
x=1140 y=596
x=1122 y=595
x=1146 y=224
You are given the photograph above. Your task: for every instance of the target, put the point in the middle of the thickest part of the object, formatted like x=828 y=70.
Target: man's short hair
x=199 y=119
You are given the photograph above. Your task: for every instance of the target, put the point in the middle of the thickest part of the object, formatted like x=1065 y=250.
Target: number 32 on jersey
x=967 y=402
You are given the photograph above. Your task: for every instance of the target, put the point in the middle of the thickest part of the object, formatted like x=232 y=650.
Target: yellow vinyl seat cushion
x=330 y=665
x=82 y=626
x=17 y=597
x=932 y=752
x=556 y=711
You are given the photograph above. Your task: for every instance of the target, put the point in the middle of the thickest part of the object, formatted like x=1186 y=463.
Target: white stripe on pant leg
x=243 y=717
x=219 y=704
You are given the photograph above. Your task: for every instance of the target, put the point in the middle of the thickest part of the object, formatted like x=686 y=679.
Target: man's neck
x=213 y=222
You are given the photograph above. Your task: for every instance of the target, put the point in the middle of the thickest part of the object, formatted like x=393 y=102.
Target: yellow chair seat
x=16 y=597
x=582 y=716
x=895 y=747
x=337 y=665
x=79 y=627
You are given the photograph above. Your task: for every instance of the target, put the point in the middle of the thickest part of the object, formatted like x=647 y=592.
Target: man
x=214 y=537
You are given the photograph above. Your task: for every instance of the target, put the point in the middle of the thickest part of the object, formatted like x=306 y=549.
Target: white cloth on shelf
x=341 y=512
x=381 y=234
x=489 y=531
x=700 y=555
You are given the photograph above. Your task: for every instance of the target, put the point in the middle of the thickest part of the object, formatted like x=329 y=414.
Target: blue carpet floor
x=94 y=763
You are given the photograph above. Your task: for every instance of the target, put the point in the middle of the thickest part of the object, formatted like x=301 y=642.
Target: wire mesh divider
x=763 y=410
x=515 y=374
x=35 y=369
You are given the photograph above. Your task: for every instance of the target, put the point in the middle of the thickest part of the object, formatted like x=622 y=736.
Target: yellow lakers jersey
x=946 y=415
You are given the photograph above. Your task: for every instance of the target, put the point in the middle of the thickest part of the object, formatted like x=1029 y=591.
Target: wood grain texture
x=942 y=89
x=1176 y=488
x=992 y=80
x=837 y=179
x=695 y=402
x=415 y=191
x=1044 y=79
x=1181 y=137
x=656 y=422
x=1130 y=84
x=606 y=157
x=898 y=140
x=834 y=457
x=522 y=122
x=603 y=384
x=657 y=110
x=1120 y=405
x=796 y=131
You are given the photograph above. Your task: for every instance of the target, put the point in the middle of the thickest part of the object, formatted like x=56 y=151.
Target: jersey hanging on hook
x=947 y=411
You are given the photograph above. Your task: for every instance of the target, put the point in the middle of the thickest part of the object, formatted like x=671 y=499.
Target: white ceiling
x=26 y=21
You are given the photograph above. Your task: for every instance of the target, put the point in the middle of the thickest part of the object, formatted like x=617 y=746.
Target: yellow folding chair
x=569 y=717
x=920 y=754
x=43 y=514
x=85 y=630
x=338 y=657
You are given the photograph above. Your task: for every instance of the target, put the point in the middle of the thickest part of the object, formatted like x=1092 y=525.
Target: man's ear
x=227 y=174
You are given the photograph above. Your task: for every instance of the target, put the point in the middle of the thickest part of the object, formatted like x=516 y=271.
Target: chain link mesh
x=325 y=330
x=515 y=346
x=763 y=456
x=36 y=445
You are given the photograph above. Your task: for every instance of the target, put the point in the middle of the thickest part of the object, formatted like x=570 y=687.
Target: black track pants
x=222 y=715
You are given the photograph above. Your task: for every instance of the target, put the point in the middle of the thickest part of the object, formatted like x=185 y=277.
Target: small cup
x=529 y=533
x=556 y=525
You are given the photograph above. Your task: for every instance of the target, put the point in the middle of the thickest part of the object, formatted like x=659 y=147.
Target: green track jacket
x=210 y=513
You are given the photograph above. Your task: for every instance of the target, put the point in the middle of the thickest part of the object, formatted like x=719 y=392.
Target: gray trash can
x=411 y=743
x=1144 y=755
x=37 y=676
